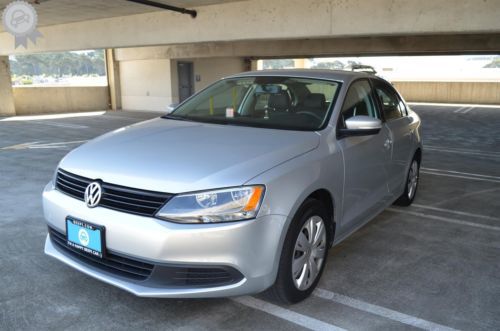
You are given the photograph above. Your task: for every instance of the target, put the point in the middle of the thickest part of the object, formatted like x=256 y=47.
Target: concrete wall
x=146 y=84
x=152 y=84
x=271 y=20
x=210 y=70
x=40 y=100
x=43 y=100
x=451 y=92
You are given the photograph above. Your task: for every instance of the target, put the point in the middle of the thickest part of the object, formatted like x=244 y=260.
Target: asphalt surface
x=432 y=266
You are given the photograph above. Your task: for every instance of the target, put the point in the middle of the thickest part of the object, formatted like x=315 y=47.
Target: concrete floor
x=435 y=265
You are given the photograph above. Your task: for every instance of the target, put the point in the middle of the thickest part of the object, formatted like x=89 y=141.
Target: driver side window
x=391 y=105
x=358 y=101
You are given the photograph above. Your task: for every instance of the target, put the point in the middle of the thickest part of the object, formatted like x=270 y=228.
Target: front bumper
x=252 y=248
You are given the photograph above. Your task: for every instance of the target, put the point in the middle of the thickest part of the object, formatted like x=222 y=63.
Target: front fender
x=291 y=183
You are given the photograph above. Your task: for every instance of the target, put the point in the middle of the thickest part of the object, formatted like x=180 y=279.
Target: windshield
x=269 y=102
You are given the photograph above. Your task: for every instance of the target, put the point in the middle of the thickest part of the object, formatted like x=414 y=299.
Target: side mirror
x=171 y=107
x=361 y=126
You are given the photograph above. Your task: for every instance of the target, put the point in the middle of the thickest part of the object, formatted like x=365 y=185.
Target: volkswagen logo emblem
x=93 y=194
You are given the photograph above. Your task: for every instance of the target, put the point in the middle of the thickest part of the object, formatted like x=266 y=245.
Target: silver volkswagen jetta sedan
x=243 y=187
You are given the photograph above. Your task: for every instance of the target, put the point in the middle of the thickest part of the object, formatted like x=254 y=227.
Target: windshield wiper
x=178 y=118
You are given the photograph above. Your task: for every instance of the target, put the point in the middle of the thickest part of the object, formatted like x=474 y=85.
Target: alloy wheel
x=412 y=179
x=309 y=253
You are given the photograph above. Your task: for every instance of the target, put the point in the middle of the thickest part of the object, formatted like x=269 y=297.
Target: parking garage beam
x=7 y=106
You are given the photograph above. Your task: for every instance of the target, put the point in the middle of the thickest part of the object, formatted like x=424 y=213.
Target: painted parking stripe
x=459 y=110
x=51 y=116
x=39 y=145
x=463 y=110
x=380 y=311
x=458 y=174
x=462 y=151
x=133 y=118
x=462 y=173
x=455 y=212
x=446 y=219
x=286 y=314
x=61 y=125
x=452 y=105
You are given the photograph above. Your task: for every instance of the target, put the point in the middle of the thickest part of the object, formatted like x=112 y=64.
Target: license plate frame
x=86 y=237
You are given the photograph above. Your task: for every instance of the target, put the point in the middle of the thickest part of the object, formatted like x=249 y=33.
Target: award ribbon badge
x=20 y=19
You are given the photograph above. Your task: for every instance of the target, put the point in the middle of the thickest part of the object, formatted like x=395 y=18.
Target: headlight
x=54 y=177
x=225 y=205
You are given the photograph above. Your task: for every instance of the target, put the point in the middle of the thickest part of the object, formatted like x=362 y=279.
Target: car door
x=399 y=143
x=365 y=159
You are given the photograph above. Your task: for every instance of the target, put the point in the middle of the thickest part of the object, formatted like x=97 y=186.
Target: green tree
x=336 y=65
x=278 y=64
x=495 y=63
x=59 y=64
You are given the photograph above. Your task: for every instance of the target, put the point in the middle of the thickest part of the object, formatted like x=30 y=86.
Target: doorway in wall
x=186 y=80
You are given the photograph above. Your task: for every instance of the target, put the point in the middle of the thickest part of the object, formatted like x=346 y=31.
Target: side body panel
x=401 y=150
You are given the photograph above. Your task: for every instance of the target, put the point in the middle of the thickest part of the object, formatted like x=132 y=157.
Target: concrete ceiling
x=52 y=12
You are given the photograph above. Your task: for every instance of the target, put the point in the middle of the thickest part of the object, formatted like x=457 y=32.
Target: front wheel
x=304 y=254
x=411 y=185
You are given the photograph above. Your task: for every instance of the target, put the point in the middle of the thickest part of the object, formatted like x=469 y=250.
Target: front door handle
x=388 y=143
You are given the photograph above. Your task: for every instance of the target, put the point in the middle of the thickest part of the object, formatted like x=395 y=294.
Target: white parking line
x=459 y=110
x=461 y=151
x=462 y=173
x=463 y=110
x=451 y=105
x=458 y=174
x=61 y=125
x=455 y=212
x=38 y=145
x=446 y=219
x=52 y=116
x=380 y=311
x=286 y=314
x=133 y=118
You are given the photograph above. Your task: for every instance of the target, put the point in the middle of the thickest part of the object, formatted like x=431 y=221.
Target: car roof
x=336 y=75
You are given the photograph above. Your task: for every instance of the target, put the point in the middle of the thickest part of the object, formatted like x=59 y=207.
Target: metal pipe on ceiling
x=191 y=12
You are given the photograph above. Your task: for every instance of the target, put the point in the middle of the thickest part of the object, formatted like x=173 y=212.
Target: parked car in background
x=242 y=188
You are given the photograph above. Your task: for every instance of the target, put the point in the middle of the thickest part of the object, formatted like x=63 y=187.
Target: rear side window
x=358 y=101
x=392 y=106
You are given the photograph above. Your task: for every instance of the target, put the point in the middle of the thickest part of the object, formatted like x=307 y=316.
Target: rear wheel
x=304 y=254
x=411 y=185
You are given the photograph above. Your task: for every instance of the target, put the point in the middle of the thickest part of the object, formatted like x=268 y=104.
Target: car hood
x=179 y=156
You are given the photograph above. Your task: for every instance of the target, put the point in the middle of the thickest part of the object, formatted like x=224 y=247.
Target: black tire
x=408 y=195
x=284 y=289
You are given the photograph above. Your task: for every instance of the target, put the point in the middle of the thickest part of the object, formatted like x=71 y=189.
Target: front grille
x=121 y=198
x=116 y=264
x=205 y=276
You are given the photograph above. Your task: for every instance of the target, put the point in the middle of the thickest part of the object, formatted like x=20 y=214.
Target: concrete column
x=260 y=65
x=299 y=63
x=254 y=65
x=7 y=106
x=113 y=70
